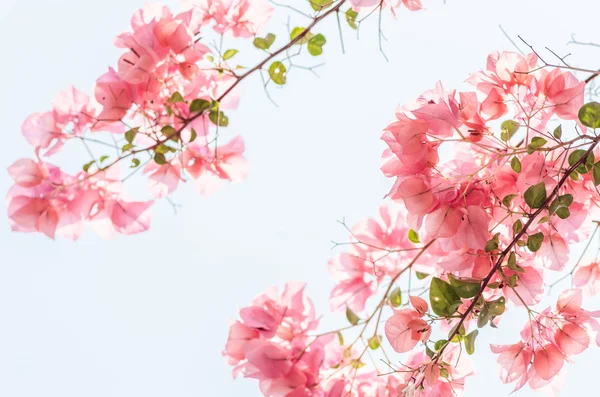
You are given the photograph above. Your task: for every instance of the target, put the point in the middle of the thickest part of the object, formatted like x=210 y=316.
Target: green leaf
x=351 y=316
x=443 y=298
x=168 y=131
x=199 y=105
x=193 y=135
x=278 y=73
x=586 y=165
x=86 y=166
x=297 y=31
x=103 y=158
x=512 y=281
x=465 y=287
x=537 y=142
x=589 y=115
x=315 y=44
x=218 y=118
x=517 y=226
x=507 y=199
x=265 y=43
x=134 y=163
x=574 y=175
x=413 y=236
x=497 y=307
x=374 y=343
x=421 y=276
x=127 y=147
x=319 y=5
x=351 y=18
x=563 y=212
x=130 y=135
x=396 y=297
x=484 y=316
x=229 y=54
x=512 y=263
x=535 y=195
x=596 y=173
x=340 y=338
x=515 y=164
x=491 y=245
x=508 y=128
x=159 y=158
x=162 y=149
x=439 y=344
x=535 y=241
x=430 y=353
x=356 y=363
x=558 y=132
x=176 y=98
x=470 y=342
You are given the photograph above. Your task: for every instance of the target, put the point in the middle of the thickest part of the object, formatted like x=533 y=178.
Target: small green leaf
x=439 y=344
x=396 y=297
x=168 y=131
x=199 y=105
x=374 y=343
x=127 y=147
x=589 y=115
x=535 y=241
x=491 y=245
x=421 y=276
x=159 y=158
x=535 y=196
x=596 y=173
x=218 y=118
x=515 y=164
x=134 y=163
x=351 y=316
x=176 y=98
x=278 y=73
x=558 y=132
x=537 y=142
x=193 y=135
x=229 y=54
x=413 y=236
x=86 y=166
x=563 y=212
x=574 y=175
x=470 y=342
x=351 y=18
x=484 y=316
x=319 y=5
x=130 y=135
x=103 y=158
x=356 y=363
x=430 y=353
x=297 y=31
x=340 y=338
x=586 y=165
x=497 y=307
x=443 y=298
x=315 y=44
x=265 y=43
x=507 y=199
x=517 y=226
x=508 y=128
x=465 y=287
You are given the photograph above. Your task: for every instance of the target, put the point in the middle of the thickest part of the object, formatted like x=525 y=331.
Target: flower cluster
x=490 y=192
x=164 y=102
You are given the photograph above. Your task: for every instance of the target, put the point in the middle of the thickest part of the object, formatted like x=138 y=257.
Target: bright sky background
x=147 y=315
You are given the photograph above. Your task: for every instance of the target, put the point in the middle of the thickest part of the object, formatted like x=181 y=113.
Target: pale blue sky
x=147 y=315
